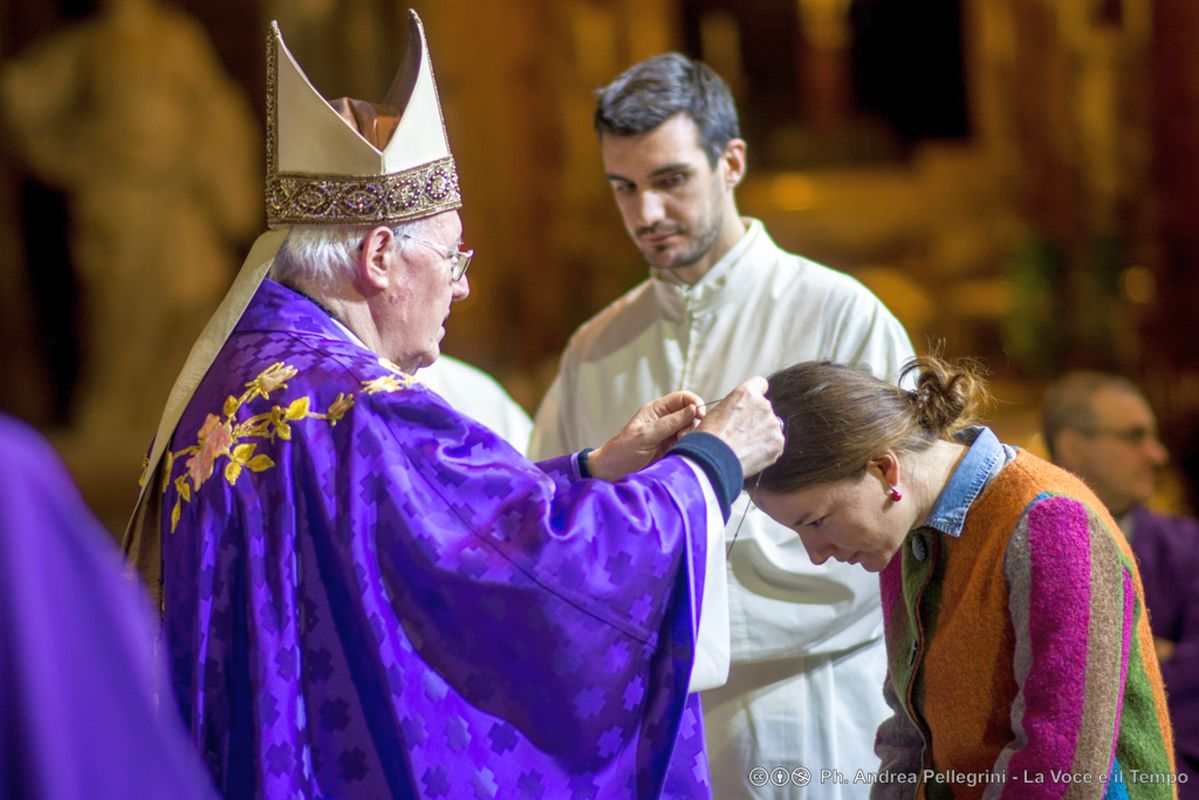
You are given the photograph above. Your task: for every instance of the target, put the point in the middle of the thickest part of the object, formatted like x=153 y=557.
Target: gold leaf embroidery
x=260 y=462
x=222 y=438
x=298 y=409
x=183 y=487
x=166 y=469
x=242 y=453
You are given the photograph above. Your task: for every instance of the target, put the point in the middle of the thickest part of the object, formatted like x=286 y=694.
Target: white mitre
x=344 y=162
x=324 y=169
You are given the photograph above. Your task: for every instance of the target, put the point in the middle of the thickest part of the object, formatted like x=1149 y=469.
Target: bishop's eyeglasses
x=459 y=259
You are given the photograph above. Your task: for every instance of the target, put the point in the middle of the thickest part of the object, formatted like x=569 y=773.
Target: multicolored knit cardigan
x=1021 y=660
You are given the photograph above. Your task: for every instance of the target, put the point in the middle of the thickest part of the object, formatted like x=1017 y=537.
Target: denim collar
x=982 y=462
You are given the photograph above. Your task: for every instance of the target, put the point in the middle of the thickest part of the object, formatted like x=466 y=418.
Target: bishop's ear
x=373 y=258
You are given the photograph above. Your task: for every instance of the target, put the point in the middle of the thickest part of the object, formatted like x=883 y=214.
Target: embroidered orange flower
x=216 y=438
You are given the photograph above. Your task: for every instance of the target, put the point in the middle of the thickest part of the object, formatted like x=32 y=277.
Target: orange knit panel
x=967 y=673
x=969 y=685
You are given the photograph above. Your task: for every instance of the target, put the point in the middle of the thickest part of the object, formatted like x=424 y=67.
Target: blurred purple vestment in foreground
x=78 y=717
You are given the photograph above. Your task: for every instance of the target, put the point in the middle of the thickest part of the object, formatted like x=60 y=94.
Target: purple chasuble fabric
x=1167 y=551
x=369 y=595
x=78 y=717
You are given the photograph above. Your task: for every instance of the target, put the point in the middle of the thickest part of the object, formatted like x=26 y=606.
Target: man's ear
x=1067 y=448
x=733 y=159
x=373 y=258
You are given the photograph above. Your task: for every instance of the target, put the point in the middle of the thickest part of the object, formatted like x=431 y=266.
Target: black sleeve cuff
x=584 y=467
x=718 y=462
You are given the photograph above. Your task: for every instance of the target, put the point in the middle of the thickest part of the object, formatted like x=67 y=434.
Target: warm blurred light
x=907 y=298
x=793 y=193
x=721 y=39
x=981 y=297
x=1138 y=285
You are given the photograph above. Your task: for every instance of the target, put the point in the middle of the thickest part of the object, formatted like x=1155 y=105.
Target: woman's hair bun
x=948 y=396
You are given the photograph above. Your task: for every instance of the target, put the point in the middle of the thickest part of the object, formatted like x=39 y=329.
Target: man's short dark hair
x=652 y=91
x=1067 y=402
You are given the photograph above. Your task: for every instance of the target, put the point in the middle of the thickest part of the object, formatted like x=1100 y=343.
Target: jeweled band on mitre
x=293 y=199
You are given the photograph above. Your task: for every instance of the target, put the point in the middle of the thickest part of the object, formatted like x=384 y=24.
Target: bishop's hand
x=646 y=437
x=745 y=421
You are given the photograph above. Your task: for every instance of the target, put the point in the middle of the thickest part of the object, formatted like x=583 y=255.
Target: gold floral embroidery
x=340 y=406
x=243 y=456
x=394 y=368
x=169 y=465
x=273 y=377
x=224 y=438
x=384 y=383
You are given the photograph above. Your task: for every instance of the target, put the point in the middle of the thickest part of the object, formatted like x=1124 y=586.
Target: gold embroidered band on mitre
x=387 y=199
x=294 y=199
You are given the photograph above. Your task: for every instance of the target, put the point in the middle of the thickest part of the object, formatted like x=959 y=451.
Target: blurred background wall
x=1015 y=178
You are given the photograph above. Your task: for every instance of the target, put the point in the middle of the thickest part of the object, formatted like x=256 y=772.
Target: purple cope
x=367 y=594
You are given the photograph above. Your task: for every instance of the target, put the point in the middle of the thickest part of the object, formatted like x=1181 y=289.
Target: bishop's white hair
x=320 y=256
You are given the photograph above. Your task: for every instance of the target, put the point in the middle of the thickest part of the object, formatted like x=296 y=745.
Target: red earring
x=895 y=495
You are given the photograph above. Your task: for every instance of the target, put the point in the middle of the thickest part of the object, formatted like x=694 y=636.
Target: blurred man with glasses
x=1100 y=427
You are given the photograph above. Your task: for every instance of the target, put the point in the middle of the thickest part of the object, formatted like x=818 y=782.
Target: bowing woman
x=1020 y=659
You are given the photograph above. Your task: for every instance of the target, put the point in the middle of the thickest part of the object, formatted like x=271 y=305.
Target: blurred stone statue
x=131 y=114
